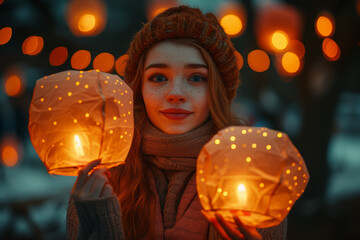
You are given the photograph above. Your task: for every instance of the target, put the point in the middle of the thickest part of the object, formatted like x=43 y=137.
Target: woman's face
x=174 y=87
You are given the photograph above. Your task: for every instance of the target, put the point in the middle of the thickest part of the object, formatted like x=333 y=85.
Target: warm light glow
x=258 y=61
x=81 y=59
x=9 y=156
x=33 y=45
x=58 y=56
x=331 y=50
x=158 y=11
x=242 y=195
x=13 y=85
x=5 y=35
x=290 y=62
x=324 y=26
x=78 y=147
x=232 y=24
x=86 y=17
x=271 y=18
x=104 y=62
x=86 y=22
x=156 y=7
x=296 y=47
x=1 y=1
x=241 y=188
x=279 y=40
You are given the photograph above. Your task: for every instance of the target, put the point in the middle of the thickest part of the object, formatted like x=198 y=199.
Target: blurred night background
x=300 y=74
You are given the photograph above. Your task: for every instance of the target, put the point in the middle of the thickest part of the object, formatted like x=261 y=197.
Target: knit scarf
x=174 y=162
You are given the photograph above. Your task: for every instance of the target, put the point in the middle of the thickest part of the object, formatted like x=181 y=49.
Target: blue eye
x=157 y=78
x=197 y=78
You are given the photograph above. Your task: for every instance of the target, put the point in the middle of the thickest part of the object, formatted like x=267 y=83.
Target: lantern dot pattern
x=254 y=172
x=71 y=103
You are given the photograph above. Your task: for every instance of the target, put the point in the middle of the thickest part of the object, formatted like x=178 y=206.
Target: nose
x=176 y=92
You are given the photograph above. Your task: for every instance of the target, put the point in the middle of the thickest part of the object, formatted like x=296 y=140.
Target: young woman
x=182 y=69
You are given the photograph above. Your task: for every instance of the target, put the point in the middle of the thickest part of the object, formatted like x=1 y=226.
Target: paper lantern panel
x=77 y=117
x=256 y=173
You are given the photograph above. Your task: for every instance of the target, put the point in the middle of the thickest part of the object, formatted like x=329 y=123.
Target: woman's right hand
x=93 y=186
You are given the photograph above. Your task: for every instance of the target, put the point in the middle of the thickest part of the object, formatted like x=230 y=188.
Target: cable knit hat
x=186 y=22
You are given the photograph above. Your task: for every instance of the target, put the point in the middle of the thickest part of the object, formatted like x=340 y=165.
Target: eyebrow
x=163 y=65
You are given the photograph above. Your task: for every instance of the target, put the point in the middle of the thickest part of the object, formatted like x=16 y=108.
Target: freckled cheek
x=152 y=97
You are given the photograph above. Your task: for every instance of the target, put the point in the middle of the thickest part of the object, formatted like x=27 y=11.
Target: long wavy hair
x=130 y=181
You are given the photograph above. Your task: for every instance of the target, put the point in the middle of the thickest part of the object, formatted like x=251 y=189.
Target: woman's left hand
x=228 y=232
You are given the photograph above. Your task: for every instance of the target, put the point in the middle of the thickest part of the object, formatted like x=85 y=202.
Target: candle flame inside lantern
x=242 y=195
x=78 y=147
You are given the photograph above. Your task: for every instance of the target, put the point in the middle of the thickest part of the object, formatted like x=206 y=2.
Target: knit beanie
x=186 y=22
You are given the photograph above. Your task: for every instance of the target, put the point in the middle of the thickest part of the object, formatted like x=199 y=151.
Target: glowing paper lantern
x=77 y=117
x=253 y=172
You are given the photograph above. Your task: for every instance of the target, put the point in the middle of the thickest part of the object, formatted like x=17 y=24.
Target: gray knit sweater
x=101 y=219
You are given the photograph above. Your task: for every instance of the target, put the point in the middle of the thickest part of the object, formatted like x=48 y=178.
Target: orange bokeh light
x=232 y=24
x=9 y=156
x=81 y=59
x=280 y=40
x=58 y=56
x=104 y=62
x=33 y=45
x=5 y=35
x=87 y=22
x=272 y=18
x=232 y=17
x=86 y=17
x=290 y=62
x=1 y=1
x=13 y=85
x=120 y=64
x=325 y=25
x=296 y=47
x=258 y=61
x=10 y=151
x=330 y=49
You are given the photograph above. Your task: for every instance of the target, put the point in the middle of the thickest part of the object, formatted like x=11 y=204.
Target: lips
x=176 y=113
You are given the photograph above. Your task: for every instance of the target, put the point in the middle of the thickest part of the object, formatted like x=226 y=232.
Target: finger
x=107 y=191
x=248 y=232
x=83 y=173
x=219 y=228
x=84 y=191
x=97 y=187
x=228 y=228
